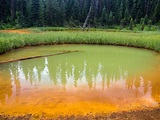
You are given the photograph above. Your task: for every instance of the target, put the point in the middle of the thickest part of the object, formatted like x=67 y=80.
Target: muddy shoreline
x=144 y=114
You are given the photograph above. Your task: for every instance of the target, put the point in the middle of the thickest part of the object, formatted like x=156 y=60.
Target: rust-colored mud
x=21 y=31
x=65 y=101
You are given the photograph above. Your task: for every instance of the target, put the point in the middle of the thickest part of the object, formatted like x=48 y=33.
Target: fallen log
x=38 y=56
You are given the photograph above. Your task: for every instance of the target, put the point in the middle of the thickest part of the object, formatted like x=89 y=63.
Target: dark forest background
x=36 y=13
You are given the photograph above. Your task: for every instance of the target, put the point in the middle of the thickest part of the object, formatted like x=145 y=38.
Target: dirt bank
x=145 y=114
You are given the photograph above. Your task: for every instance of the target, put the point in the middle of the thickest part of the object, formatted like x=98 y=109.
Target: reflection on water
x=104 y=78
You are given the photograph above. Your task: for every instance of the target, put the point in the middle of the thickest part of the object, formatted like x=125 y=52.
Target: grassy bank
x=148 y=40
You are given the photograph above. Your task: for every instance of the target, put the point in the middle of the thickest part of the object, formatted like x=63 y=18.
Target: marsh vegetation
x=44 y=36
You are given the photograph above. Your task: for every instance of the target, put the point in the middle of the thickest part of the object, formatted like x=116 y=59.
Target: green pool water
x=97 y=79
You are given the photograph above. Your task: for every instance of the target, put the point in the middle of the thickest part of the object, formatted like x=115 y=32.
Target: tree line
x=35 y=13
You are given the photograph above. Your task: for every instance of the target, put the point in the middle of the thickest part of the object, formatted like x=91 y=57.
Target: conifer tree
x=156 y=16
x=110 y=18
x=104 y=16
x=42 y=7
x=35 y=13
x=131 y=24
x=149 y=24
x=50 y=11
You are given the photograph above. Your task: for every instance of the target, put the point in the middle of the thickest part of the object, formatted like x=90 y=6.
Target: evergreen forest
x=72 y=13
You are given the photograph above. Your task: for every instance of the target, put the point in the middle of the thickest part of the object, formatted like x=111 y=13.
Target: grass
x=44 y=29
x=43 y=36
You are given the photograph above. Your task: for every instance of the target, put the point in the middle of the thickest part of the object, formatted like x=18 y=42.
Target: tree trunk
x=93 y=6
x=96 y=12
x=13 y=11
x=38 y=56
x=87 y=18
x=22 y=12
x=147 y=11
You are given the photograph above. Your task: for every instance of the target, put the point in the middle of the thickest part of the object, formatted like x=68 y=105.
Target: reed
x=147 y=40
